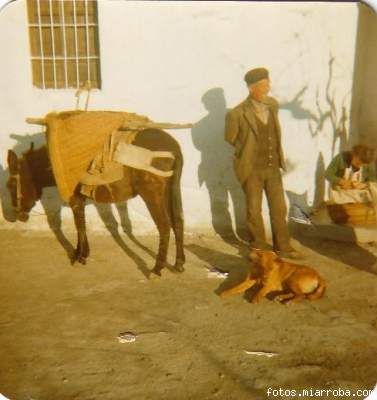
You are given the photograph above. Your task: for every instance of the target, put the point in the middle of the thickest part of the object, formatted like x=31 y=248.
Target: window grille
x=64 y=43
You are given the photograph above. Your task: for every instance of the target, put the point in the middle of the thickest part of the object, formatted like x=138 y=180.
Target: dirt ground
x=59 y=323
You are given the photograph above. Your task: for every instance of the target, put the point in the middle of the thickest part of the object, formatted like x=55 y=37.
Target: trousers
x=270 y=181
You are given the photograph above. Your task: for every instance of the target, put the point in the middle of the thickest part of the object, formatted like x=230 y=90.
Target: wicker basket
x=352 y=213
x=74 y=138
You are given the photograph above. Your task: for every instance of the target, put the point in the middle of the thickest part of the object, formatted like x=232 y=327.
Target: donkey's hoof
x=154 y=274
x=78 y=258
x=82 y=260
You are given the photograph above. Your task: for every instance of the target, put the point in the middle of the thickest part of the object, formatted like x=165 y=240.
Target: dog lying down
x=291 y=282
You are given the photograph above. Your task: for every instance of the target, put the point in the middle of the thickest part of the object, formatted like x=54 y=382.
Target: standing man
x=253 y=129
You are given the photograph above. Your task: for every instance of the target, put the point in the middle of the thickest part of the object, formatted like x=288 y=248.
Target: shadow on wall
x=52 y=204
x=22 y=145
x=319 y=182
x=216 y=168
x=338 y=118
x=329 y=111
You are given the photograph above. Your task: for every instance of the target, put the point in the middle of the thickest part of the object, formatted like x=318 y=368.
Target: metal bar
x=53 y=43
x=76 y=45
x=36 y=121
x=87 y=40
x=64 y=43
x=41 y=44
x=47 y=25
x=62 y=58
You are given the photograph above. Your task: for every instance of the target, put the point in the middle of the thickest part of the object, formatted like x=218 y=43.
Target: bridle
x=19 y=196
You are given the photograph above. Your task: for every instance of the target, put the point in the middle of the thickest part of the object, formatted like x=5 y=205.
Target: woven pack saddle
x=91 y=147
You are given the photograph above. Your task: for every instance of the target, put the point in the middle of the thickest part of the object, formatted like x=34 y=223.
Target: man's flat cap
x=255 y=75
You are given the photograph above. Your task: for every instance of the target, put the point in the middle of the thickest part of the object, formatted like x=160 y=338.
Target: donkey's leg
x=180 y=258
x=155 y=198
x=77 y=204
x=176 y=214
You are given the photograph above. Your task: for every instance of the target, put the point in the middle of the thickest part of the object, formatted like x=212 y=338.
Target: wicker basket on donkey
x=352 y=213
x=74 y=138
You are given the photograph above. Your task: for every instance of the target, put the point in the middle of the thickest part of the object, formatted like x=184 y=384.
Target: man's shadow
x=216 y=168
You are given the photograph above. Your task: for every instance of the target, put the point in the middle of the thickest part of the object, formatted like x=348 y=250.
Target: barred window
x=64 y=43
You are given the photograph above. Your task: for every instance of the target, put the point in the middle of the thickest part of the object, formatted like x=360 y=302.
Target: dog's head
x=265 y=257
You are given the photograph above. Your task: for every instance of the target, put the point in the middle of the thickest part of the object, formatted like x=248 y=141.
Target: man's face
x=260 y=89
x=356 y=162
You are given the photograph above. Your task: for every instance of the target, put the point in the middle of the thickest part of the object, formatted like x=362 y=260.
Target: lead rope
x=32 y=213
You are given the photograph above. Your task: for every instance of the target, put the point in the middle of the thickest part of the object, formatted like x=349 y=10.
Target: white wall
x=160 y=58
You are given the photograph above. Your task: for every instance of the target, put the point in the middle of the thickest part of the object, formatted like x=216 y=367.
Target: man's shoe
x=290 y=254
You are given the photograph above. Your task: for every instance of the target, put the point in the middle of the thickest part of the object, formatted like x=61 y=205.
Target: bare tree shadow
x=337 y=118
x=295 y=106
x=216 y=168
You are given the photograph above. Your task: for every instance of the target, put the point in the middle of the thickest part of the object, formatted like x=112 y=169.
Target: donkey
x=29 y=174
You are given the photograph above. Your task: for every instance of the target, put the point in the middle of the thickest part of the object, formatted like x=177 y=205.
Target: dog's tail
x=319 y=291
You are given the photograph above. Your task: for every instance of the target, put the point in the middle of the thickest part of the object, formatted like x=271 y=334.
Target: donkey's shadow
x=53 y=205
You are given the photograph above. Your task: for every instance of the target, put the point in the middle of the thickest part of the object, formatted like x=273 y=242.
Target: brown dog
x=294 y=282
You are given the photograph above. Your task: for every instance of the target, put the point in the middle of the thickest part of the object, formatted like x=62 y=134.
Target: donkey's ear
x=12 y=162
x=31 y=146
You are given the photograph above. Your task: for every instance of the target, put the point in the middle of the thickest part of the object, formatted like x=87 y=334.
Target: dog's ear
x=12 y=162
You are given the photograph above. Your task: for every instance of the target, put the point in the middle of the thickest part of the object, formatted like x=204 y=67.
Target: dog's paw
x=255 y=300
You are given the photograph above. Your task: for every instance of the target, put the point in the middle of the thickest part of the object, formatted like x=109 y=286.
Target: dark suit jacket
x=241 y=131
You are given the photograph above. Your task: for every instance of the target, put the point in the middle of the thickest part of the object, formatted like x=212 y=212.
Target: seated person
x=352 y=176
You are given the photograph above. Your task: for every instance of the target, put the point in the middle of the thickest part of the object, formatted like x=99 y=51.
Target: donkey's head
x=21 y=186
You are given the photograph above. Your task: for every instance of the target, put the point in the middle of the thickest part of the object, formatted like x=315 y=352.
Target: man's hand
x=345 y=184
x=359 y=185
